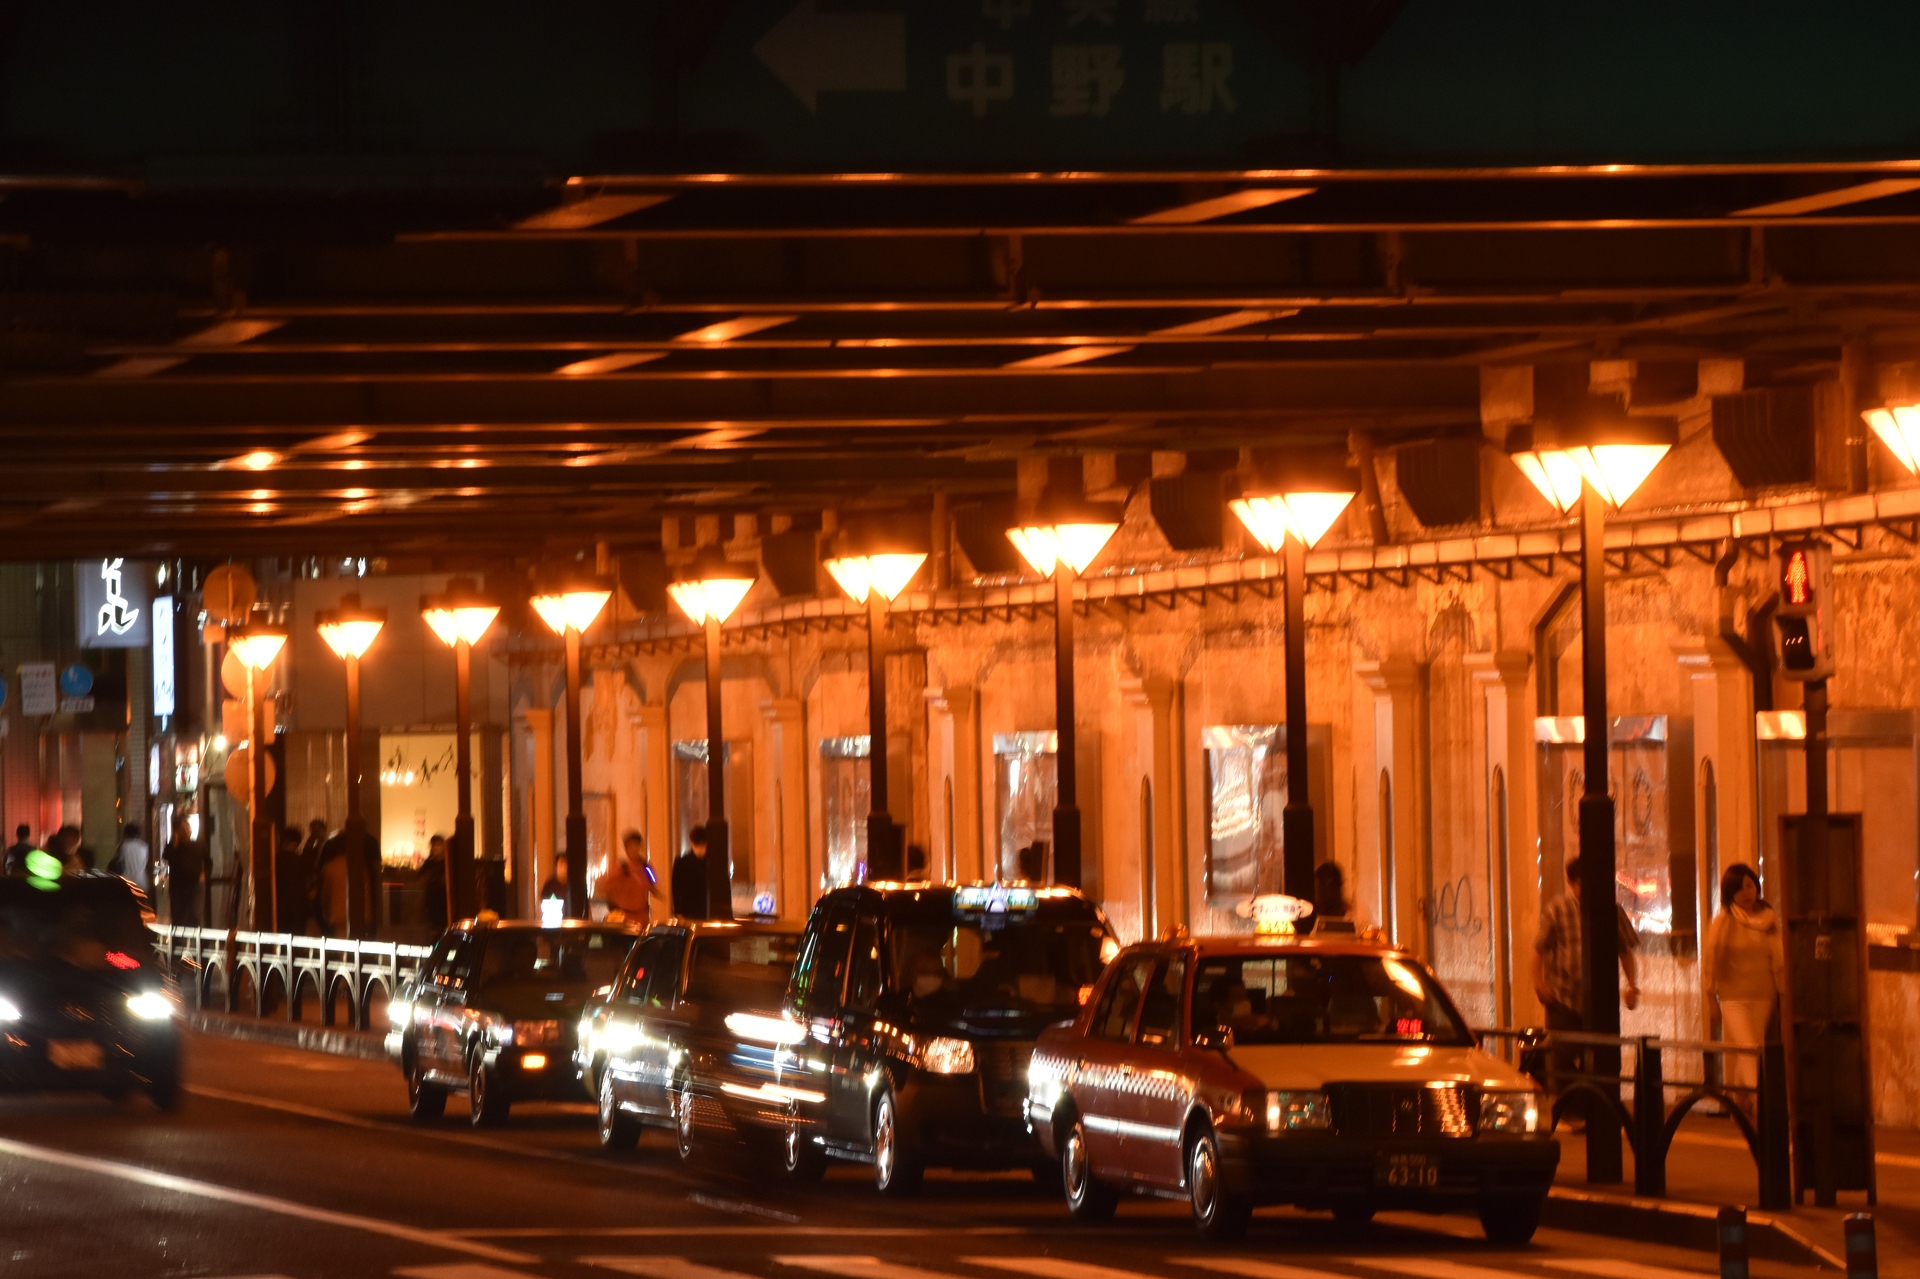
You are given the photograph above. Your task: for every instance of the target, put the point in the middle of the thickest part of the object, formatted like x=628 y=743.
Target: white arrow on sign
x=814 y=53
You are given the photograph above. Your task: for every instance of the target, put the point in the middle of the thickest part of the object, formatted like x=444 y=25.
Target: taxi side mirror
x=1216 y=1038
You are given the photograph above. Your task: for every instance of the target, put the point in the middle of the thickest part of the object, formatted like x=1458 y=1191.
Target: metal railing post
x=1733 y=1243
x=1772 y=1122
x=1863 y=1259
x=1649 y=1121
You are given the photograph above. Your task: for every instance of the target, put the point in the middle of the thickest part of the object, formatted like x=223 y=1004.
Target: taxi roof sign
x=1274 y=913
x=995 y=899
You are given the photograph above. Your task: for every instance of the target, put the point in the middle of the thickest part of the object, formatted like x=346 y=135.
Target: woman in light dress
x=1744 y=967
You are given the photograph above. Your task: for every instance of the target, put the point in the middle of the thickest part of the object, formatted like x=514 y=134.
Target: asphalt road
x=281 y=1162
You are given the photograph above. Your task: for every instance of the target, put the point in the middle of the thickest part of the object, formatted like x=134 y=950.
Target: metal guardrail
x=1649 y=1123
x=267 y=974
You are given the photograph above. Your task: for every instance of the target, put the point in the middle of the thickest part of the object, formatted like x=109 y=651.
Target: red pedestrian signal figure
x=1800 y=624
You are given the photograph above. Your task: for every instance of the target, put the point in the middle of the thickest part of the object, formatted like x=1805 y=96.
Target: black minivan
x=915 y=1008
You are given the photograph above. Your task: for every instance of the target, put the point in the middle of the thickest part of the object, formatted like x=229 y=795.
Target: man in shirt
x=1556 y=966
x=629 y=886
x=16 y=863
x=690 y=877
x=130 y=860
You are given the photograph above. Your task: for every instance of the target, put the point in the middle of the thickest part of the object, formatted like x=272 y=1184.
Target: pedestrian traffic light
x=1801 y=623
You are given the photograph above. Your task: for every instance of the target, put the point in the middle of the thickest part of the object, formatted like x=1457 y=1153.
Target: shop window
x=1246 y=793
x=1025 y=790
x=845 y=800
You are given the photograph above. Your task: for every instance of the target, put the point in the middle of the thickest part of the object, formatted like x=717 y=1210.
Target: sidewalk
x=1709 y=1167
x=312 y=1036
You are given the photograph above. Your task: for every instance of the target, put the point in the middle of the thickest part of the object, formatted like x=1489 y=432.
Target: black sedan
x=494 y=1011
x=83 y=1004
x=686 y=1038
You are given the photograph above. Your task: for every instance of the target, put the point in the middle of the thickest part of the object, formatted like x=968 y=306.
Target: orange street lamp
x=570 y=607
x=460 y=617
x=1288 y=510
x=1061 y=541
x=257 y=645
x=707 y=591
x=349 y=631
x=1597 y=457
x=873 y=565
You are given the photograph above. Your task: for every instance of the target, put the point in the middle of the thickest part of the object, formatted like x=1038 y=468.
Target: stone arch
x=273 y=992
x=341 y=1008
x=306 y=996
x=243 y=991
x=210 y=987
x=372 y=1008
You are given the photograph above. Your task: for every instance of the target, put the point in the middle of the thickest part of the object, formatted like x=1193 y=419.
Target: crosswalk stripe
x=1053 y=1268
x=1609 y=1268
x=1424 y=1268
x=859 y=1267
x=1248 y=1268
x=459 y=1270
x=660 y=1267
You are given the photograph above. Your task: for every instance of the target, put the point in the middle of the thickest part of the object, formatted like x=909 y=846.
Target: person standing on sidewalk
x=1744 y=968
x=1556 y=968
x=629 y=886
x=689 y=880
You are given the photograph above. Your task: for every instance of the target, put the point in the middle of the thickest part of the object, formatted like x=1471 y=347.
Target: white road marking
x=661 y=1267
x=740 y=1208
x=1053 y=1268
x=1428 y=1268
x=1608 y=1268
x=708 y=1228
x=248 y=1199
x=860 y=1267
x=1251 y=1269
x=464 y=1270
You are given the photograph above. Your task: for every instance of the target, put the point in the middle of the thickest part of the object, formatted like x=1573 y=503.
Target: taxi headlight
x=150 y=1005
x=1299 y=1112
x=9 y=1011
x=943 y=1056
x=1514 y=1113
x=399 y=1013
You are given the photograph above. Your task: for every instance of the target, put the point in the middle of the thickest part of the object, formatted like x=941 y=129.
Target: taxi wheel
x=896 y=1170
x=1217 y=1213
x=1088 y=1198
x=425 y=1101
x=618 y=1129
x=1510 y=1221
x=487 y=1100
x=803 y=1159
x=683 y=1119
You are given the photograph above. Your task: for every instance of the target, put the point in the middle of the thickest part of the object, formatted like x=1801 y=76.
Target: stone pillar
x=1724 y=763
x=1167 y=870
x=953 y=782
x=1509 y=803
x=656 y=785
x=540 y=724
x=791 y=866
x=1395 y=873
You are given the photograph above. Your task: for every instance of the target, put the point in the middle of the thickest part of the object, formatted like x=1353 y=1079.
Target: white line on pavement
x=1053 y=1268
x=707 y=1228
x=660 y=1267
x=1431 y=1268
x=1609 y=1268
x=1248 y=1268
x=463 y=1270
x=859 y=1267
x=248 y=1199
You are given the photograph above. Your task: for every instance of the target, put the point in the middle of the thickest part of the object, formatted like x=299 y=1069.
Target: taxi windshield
x=952 y=957
x=87 y=925
x=552 y=958
x=1322 y=999
x=733 y=967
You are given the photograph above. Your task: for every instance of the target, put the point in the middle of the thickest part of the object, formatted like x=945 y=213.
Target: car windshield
x=742 y=968
x=553 y=958
x=1322 y=999
x=94 y=926
x=953 y=957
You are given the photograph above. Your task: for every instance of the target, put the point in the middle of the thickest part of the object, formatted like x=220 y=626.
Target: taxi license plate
x=74 y=1054
x=1406 y=1172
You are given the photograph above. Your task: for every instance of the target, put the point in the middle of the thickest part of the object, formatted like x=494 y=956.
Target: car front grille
x=1396 y=1110
x=1003 y=1075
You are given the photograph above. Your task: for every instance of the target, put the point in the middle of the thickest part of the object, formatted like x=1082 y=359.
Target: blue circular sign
x=76 y=681
x=3 y=692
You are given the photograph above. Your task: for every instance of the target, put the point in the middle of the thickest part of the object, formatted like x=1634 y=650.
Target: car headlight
x=943 y=1056
x=9 y=1011
x=150 y=1005
x=1513 y=1112
x=1299 y=1112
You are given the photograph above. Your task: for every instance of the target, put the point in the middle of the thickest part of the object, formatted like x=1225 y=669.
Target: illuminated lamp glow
x=1614 y=454
x=860 y=575
x=1555 y=472
x=460 y=614
x=711 y=588
x=1898 y=427
x=257 y=646
x=1077 y=544
x=533 y=1061
x=259 y=459
x=350 y=630
x=570 y=609
x=1616 y=470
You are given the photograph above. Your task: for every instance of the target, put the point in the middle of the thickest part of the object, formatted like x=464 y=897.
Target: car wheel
x=487 y=1099
x=804 y=1160
x=683 y=1119
x=1510 y=1221
x=425 y=1101
x=1217 y=1213
x=897 y=1171
x=1088 y=1198
x=163 y=1087
x=618 y=1129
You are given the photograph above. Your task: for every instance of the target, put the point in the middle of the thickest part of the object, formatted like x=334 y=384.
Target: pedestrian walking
x=132 y=860
x=16 y=855
x=432 y=878
x=1556 y=969
x=689 y=880
x=186 y=859
x=629 y=886
x=1743 y=968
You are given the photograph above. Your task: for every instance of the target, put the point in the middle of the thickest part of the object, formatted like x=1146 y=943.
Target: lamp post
x=875 y=568
x=460 y=617
x=349 y=631
x=1288 y=519
x=257 y=645
x=1597 y=461
x=569 y=608
x=708 y=591
x=1062 y=541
